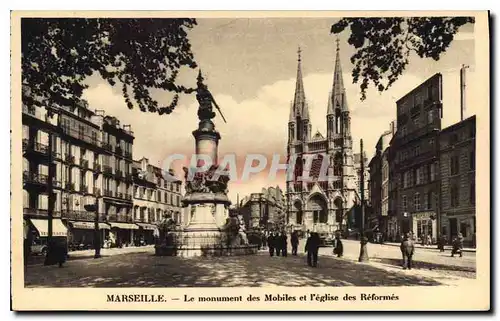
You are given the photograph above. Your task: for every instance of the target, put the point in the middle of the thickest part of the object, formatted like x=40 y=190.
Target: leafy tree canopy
x=383 y=45
x=138 y=54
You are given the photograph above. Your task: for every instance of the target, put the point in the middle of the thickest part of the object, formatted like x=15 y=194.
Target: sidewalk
x=87 y=254
x=432 y=247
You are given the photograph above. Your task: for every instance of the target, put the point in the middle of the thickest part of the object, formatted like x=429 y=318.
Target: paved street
x=146 y=270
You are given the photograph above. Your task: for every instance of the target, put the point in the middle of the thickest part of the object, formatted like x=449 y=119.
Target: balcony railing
x=35 y=178
x=129 y=197
x=97 y=168
x=119 y=150
x=97 y=191
x=41 y=148
x=120 y=195
x=107 y=147
x=120 y=218
x=107 y=169
x=84 y=188
x=82 y=215
x=109 y=193
x=40 y=212
x=69 y=186
x=118 y=174
x=70 y=159
x=127 y=154
x=84 y=163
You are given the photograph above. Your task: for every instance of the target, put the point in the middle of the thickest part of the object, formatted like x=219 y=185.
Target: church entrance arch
x=317 y=204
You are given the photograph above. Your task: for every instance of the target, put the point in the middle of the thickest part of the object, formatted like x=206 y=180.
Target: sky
x=250 y=67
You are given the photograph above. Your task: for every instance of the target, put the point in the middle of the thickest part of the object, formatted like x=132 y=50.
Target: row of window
x=417 y=122
x=421 y=175
x=162 y=197
x=428 y=201
x=420 y=202
x=455 y=163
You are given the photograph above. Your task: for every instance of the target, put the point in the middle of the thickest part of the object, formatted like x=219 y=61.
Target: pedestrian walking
x=294 y=239
x=338 y=247
x=264 y=240
x=312 y=246
x=458 y=245
x=277 y=243
x=270 y=244
x=441 y=242
x=407 y=250
x=284 y=244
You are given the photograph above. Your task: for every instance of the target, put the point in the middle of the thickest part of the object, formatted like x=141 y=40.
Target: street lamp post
x=363 y=251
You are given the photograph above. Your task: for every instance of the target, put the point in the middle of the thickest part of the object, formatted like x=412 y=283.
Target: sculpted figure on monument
x=206 y=182
x=205 y=100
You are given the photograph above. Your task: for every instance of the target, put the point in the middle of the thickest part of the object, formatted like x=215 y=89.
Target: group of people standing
x=277 y=243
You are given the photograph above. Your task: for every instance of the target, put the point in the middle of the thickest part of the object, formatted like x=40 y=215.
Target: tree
x=383 y=45
x=139 y=54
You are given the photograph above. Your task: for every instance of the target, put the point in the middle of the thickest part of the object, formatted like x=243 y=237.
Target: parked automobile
x=39 y=247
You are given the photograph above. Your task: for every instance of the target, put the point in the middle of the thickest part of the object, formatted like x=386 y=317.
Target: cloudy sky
x=250 y=67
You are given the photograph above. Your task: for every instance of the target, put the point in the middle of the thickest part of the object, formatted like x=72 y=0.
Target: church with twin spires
x=321 y=205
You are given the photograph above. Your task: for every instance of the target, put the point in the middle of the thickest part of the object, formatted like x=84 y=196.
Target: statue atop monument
x=205 y=99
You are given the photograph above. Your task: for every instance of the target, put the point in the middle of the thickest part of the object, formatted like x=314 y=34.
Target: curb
x=432 y=248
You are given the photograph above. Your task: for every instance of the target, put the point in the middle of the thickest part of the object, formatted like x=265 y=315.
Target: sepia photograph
x=248 y=161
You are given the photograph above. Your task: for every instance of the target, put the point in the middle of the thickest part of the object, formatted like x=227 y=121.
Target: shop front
x=122 y=234
x=424 y=225
x=463 y=224
x=41 y=228
x=146 y=234
x=81 y=234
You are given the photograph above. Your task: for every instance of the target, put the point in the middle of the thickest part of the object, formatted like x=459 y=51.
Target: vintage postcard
x=322 y=161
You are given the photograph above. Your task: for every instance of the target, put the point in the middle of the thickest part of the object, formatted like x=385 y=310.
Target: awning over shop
x=42 y=226
x=147 y=226
x=124 y=226
x=89 y=225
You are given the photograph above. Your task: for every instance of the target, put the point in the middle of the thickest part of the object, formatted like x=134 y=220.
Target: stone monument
x=206 y=204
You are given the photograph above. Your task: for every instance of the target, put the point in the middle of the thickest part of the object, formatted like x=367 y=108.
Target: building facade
x=415 y=154
x=316 y=204
x=155 y=197
x=379 y=185
x=458 y=180
x=264 y=210
x=89 y=157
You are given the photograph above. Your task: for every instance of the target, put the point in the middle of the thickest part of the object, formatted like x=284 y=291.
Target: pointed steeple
x=338 y=90
x=300 y=96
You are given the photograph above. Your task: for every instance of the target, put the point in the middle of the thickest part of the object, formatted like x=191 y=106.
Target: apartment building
x=89 y=156
x=155 y=196
x=457 y=144
x=415 y=154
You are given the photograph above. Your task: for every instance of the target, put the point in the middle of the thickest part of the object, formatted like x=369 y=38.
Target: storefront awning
x=42 y=226
x=89 y=225
x=124 y=226
x=147 y=226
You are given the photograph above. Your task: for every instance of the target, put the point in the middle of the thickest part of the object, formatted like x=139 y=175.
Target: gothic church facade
x=321 y=204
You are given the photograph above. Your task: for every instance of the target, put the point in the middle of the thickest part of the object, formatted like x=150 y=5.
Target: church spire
x=338 y=90
x=300 y=97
